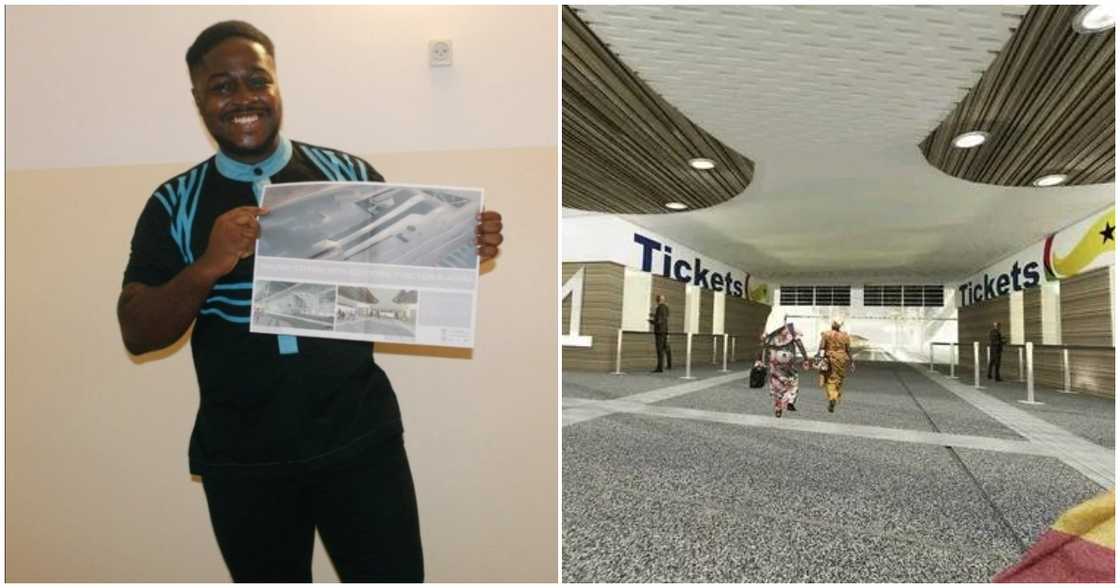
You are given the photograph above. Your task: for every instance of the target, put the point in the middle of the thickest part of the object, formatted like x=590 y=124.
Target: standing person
x=659 y=318
x=782 y=345
x=995 y=350
x=292 y=435
x=835 y=349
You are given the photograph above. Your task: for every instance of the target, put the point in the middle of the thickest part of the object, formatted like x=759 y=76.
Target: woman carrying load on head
x=835 y=350
x=783 y=345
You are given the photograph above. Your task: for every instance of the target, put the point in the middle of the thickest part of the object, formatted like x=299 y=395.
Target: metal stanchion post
x=976 y=365
x=1021 y=364
x=952 y=359
x=688 y=359
x=931 y=356
x=724 y=354
x=1065 y=370
x=733 y=350
x=618 y=356
x=714 y=349
x=1030 y=375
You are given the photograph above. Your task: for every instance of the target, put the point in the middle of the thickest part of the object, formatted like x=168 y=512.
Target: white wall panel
x=1017 y=336
x=1052 y=313
x=719 y=301
x=692 y=308
x=636 y=296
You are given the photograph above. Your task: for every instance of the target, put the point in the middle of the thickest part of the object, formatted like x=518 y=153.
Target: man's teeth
x=245 y=119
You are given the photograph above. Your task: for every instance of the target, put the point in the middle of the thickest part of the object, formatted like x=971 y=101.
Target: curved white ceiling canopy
x=832 y=102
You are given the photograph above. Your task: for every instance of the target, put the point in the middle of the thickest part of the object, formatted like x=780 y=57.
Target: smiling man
x=292 y=435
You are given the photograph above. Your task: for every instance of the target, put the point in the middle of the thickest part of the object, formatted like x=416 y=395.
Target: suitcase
x=758 y=375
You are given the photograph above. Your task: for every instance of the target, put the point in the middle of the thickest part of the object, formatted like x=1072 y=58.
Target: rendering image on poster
x=368 y=261
x=288 y=304
x=377 y=311
x=371 y=223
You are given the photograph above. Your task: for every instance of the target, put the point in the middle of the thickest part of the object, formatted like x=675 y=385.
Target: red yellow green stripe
x=1079 y=547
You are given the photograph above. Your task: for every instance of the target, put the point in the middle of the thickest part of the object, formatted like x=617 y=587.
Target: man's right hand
x=232 y=239
x=153 y=317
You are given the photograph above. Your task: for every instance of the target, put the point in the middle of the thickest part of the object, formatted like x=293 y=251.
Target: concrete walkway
x=915 y=478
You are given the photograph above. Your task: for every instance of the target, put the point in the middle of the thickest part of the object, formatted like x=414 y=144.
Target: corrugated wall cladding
x=1087 y=320
x=974 y=322
x=1087 y=309
x=602 y=317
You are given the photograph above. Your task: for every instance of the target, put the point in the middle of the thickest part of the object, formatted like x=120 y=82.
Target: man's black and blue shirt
x=268 y=404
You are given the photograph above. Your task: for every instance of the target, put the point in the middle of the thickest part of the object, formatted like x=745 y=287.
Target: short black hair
x=218 y=32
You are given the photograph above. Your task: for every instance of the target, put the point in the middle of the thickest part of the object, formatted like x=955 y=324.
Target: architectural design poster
x=368 y=261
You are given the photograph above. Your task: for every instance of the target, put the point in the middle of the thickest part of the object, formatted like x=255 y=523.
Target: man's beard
x=236 y=151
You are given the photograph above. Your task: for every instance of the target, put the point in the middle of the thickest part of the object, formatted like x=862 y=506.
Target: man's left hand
x=489 y=234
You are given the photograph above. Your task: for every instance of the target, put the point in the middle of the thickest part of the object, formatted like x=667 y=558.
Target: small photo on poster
x=377 y=311
x=293 y=305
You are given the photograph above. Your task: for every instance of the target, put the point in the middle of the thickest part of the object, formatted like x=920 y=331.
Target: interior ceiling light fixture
x=1050 y=180
x=970 y=139
x=1094 y=19
x=676 y=205
x=701 y=163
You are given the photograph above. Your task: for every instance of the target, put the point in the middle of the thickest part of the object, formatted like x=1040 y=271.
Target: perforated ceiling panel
x=831 y=103
x=787 y=76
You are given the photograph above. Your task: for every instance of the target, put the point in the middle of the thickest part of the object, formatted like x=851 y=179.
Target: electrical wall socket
x=439 y=52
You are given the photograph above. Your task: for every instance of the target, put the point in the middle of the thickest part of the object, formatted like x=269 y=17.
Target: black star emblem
x=1107 y=233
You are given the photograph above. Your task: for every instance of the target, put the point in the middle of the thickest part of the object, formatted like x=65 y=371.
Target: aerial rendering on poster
x=371 y=223
x=368 y=261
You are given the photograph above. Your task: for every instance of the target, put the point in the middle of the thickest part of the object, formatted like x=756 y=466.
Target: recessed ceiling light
x=970 y=139
x=1050 y=180
x=1094 y=19
x=676 y=205
x=701 y=163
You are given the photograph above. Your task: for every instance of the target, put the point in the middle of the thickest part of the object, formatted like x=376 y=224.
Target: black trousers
x=365 y=513
x=993 y=361
x=661 y=341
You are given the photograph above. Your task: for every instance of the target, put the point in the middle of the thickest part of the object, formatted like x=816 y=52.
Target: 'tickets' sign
x=1085 y=246
x=606 y=238
x=1019 y=275
x=685 y=270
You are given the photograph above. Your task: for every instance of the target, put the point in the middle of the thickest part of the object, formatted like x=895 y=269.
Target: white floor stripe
x=587 y=412
x=809 y=426
x=1093 y=461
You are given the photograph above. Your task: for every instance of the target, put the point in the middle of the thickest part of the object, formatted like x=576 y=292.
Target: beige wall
x=97 y=481
x=352 y=77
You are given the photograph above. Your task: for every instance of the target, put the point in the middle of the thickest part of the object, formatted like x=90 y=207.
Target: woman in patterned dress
x=783 y=345
x=835 y=349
